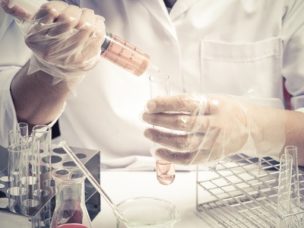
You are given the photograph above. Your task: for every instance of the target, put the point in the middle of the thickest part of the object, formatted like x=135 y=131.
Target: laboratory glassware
x=70 y=210
x=114 y=48
x=159 y=86
x=14 y=153
x=33 y=179
x=168 y=212
x=91 y=179
x=149 y=212
x=288 y=202
x=17 y=144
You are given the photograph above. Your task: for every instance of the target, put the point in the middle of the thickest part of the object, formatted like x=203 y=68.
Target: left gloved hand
x=192 y=130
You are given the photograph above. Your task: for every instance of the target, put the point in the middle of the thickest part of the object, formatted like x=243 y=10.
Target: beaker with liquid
x=159 y=86
x=143 y=212
x=70 y=210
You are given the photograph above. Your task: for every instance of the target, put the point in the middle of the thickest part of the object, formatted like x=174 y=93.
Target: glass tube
x=124 y=54
x=32 y=178
x=17 y=143
x=159 y=86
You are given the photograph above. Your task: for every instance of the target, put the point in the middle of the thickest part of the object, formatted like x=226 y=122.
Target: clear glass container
x=159 y=86
x=70 y=210
x=124 y=54
x=144 y=212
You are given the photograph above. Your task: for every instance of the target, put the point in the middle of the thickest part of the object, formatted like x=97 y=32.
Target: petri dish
x=149 y=212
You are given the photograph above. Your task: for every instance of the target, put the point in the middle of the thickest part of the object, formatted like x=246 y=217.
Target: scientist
x=232 y=58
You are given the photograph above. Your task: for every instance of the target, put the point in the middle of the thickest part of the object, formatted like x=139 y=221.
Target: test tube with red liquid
x=159 y=86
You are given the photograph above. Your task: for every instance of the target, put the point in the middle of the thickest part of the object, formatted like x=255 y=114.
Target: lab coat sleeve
x=9 y=66
x=7 y=111
x=13 y=55
x=293 y=54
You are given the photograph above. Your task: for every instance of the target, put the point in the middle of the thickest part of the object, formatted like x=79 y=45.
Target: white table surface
x=121 y=185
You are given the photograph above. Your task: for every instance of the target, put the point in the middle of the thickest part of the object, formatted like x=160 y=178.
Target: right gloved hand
x=65 y=40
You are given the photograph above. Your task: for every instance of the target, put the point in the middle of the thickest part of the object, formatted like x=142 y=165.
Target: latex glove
x=11 y=8
x=65 y=40
x=192 y=130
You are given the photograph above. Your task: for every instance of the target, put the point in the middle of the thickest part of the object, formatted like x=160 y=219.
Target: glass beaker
x=159 y=86
x=70 y=210
x=144 y=212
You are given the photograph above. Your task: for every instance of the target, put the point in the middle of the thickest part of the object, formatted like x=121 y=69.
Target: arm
x=36 y=99
x=65 y=41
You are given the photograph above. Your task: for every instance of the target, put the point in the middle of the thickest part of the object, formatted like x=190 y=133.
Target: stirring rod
x=92 y=180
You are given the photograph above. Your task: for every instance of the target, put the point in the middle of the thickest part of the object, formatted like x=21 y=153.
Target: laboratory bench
x=237 y=192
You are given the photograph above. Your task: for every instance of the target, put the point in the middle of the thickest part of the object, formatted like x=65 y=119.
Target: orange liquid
x=125 y=55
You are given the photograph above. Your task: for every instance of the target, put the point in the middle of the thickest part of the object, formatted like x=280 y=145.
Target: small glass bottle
x=124 y=54
x=70 y=210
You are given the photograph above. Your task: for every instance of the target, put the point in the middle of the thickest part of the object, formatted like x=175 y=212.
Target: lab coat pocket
x=241 y=68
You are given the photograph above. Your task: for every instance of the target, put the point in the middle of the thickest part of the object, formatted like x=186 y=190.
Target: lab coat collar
x=180 y=7
x=158 y=11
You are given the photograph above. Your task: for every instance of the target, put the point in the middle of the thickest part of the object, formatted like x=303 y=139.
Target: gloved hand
x=11 y=8
x=191 y=130
x=65 y=40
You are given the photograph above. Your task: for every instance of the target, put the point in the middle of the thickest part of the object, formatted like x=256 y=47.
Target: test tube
x=159 y=86
x=31 y=173
x=18 y=139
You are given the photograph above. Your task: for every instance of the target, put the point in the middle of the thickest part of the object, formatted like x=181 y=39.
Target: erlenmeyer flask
x=70 y=210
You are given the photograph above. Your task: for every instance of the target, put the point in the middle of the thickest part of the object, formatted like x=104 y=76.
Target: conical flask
x=70 y=210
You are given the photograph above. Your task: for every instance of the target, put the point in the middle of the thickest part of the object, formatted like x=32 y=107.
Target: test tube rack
x=244 y=192
x=40 y=216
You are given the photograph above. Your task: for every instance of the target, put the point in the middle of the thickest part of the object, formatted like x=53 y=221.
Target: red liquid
x=72 y=225
x=165 y=172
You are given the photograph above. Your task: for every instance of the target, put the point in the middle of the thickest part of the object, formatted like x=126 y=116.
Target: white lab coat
x=240 y=47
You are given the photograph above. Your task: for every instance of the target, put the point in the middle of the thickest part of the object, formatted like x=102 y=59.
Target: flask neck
x=70 y=191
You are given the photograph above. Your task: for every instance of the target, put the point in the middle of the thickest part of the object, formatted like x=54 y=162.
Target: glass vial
x=70 y=210
x=159 y=86
x=124 y=54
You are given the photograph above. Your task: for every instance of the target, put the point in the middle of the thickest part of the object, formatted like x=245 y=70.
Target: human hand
x=15 y=10
x=193 y=130
x=65 y=40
